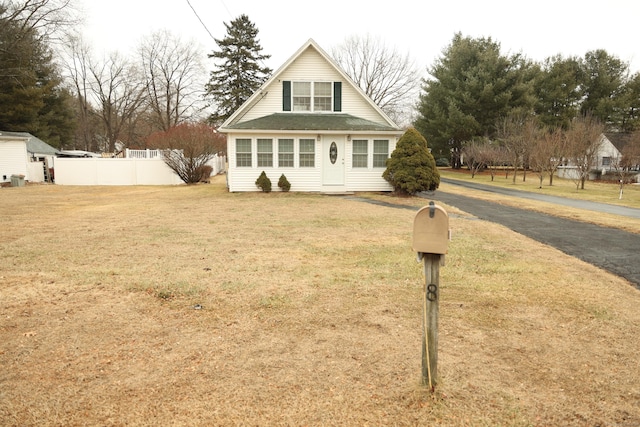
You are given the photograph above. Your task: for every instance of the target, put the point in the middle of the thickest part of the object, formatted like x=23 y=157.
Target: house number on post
x=430 y=240
x=333 y=153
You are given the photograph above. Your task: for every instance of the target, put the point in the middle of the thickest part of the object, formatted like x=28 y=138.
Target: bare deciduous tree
x=388 y=77
x=628 y=161
x=516 y=133
x=77 y=61
x=584 y=139
x=174 y=79
x=51 y=20
x=477 y=155
x=119 y=92
x=542 y=150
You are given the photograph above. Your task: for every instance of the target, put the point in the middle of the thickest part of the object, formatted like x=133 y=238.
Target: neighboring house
x=607 y=159
x=313 y=124
x=23 y=154
x=611 y=151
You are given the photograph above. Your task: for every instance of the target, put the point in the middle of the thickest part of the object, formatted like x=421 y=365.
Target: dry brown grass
x=310 y=316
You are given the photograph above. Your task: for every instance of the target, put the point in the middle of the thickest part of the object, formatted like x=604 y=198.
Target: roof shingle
x=315 y=122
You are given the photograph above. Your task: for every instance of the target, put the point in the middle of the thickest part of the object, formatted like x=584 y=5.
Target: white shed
x=23 y=154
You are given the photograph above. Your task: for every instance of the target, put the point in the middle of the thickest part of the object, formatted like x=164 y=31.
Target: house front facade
x=311 y=123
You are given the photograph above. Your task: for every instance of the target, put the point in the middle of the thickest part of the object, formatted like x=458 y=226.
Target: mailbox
x=431 y=230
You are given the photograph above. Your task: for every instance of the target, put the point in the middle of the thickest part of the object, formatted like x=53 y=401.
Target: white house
x=23 y=154
x=607 y=158
x=313 y=124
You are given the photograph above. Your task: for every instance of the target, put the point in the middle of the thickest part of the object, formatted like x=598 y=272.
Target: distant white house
x=609 y=155
x=23 y=154
x=313 y=124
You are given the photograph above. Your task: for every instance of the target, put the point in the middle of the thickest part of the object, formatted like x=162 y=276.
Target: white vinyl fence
x=118 y=171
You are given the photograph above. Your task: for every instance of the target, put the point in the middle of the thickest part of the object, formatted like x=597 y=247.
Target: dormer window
x=311 y=96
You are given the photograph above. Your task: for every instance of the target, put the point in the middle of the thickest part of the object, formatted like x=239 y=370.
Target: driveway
x=611 y=249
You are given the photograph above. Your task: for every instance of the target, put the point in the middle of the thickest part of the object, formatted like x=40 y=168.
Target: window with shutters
x=322 y=96
x=301 y=96
x=311 y=96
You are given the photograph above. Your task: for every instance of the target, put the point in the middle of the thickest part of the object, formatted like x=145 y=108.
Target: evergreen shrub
x=264 y=183
x=283 y=183
x=411 y=167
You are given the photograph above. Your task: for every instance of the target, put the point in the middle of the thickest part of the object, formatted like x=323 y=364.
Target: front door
x=333 y=160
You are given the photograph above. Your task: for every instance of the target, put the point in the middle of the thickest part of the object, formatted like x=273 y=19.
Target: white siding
x=301 y=179
x=369 y=178
x=241 y=179
x=311 y=66
x=13 y=159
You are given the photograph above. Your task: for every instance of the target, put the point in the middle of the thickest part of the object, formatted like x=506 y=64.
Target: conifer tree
x=239 y=69
x=411 y=167
x=32 y=95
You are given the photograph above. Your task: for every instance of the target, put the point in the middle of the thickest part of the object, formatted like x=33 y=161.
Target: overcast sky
x=420 y=28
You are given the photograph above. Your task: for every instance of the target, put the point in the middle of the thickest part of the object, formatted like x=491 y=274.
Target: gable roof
x=231 y=122
x=34 y=145
x=618 y=139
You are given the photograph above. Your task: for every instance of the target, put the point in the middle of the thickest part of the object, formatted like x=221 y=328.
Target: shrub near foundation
x=283 y=183
x=263 y=182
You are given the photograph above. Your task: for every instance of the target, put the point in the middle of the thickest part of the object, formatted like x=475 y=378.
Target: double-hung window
x=265 y=153
x=301 y=96
x=360 y=153
x=322 y=96
x=307 y=153
x=380 y=153
x=243 y=152
x=285 y=153
x=312 y=96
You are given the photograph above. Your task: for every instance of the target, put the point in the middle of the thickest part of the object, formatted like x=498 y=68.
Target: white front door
x=333 y=160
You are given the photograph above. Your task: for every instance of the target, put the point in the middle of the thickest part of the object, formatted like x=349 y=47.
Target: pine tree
x=238 y=72
x=411 y=167
x=32 y=96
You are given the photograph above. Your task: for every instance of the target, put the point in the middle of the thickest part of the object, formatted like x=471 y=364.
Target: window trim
x=264 y=158
x=287 y=153
x=332 y=102
x=243 y=154
x=378 y=155
x=307 y=162
x=360 y=155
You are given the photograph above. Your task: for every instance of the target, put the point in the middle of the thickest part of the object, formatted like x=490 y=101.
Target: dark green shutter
x=337 y=96
x=286 y=95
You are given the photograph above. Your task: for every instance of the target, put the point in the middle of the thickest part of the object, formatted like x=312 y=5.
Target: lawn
x=188 y=305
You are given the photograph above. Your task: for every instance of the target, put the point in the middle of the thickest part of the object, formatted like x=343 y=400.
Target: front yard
x=187 y=305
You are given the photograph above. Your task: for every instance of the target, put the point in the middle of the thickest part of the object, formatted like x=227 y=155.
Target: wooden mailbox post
x=430 y=240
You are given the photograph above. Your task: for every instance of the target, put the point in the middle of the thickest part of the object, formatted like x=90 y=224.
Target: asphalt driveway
x=611 y=249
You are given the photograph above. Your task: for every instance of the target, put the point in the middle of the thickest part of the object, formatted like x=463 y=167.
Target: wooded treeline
x=54 y=86
x=474 y=91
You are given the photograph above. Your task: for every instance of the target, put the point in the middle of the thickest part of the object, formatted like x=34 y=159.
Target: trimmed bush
x=263 y=182
x=443 y=162
x=411 y=167
x=283 y=183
